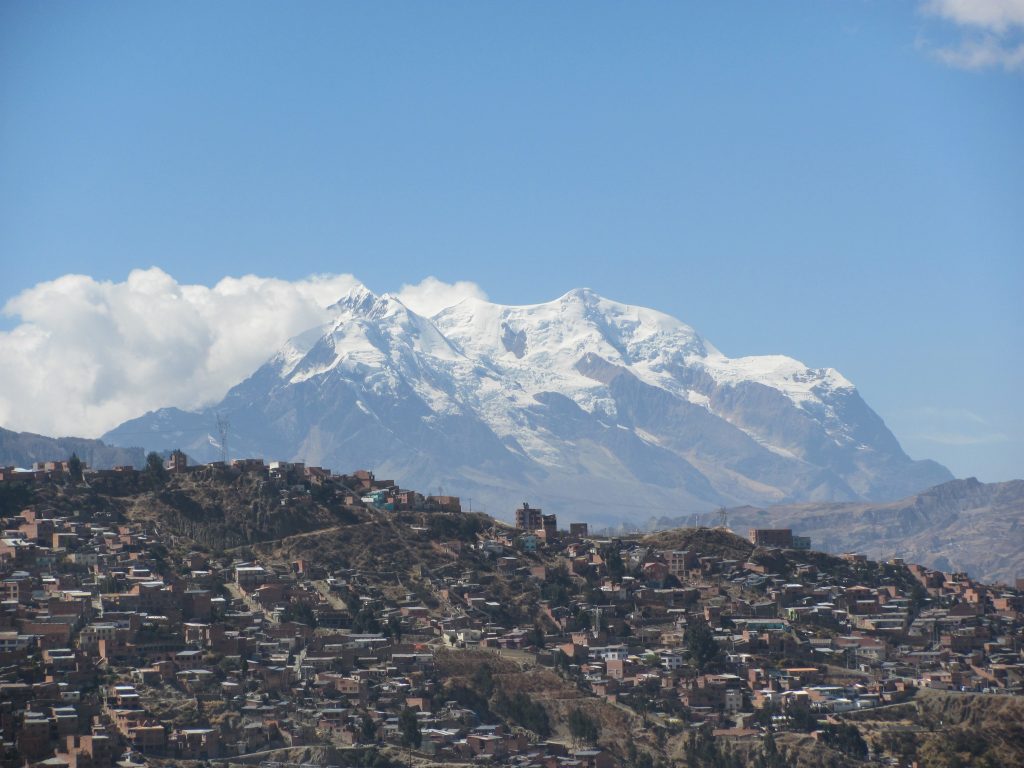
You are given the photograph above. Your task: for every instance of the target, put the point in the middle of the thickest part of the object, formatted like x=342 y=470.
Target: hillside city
x=339 y=619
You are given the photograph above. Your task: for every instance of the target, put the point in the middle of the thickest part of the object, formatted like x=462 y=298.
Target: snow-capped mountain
x=585 y=406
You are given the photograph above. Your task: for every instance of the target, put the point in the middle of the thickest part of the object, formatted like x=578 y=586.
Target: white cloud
x=994 y=15
x=90 y=354
x=431 y=295
x=993 y=38
x=983 y=53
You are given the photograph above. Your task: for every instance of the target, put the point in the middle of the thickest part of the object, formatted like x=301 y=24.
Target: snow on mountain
x=594 y=408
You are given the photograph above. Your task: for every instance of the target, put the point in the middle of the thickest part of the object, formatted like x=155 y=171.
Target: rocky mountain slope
x=580 y=404
x=962 y=525
x=22 y=449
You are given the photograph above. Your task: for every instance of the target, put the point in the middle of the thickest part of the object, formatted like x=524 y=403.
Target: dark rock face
x=608 y=412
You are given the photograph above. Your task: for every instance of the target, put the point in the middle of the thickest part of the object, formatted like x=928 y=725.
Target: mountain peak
x=581 y=400
x=586 y=295
x=358 y=298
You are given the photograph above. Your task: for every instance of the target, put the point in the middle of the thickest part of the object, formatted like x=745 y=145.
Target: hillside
x=946 y=730
x=583 y=643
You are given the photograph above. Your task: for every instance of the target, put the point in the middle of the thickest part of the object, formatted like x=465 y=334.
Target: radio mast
x=222 y=429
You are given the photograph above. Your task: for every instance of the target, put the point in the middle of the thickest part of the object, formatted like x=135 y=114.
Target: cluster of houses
x=822 y=640
x=117 y=649
x=361 y=487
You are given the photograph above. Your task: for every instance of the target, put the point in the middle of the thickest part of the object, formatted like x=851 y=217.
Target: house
x=177 y=462
x=671 y=659
x=248 y=577
x=196 y=743
x=781 y=538
x=528 y=518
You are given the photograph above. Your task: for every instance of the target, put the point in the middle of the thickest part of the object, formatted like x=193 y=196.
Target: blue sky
x=836 y=182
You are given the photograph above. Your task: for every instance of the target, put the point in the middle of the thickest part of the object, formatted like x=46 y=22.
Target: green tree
x=801 y=718
x=847 y=739
x=704 y=751
x=483 y=680
x=368 y=729
x=523 y=710
x=75 y=467
x=395 y=628
x=613 y=562
x=155 y=466
x=584 y=729
x=537 y=636
x=14 y=497
x=352 y=601
x=764 y=715
x=302 y=613
x=555 y=593
x=409 y=727
x=700 y=641
x=470 y=699
x=366 y=622
x=771 y=756
x=642 y=707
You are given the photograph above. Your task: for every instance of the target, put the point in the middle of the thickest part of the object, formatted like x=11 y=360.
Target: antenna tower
x=222 y=430
x=723 y=518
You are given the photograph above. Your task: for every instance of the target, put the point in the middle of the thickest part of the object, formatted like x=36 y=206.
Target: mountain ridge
x=961 y=525
x=22 y=449
x=580 y=398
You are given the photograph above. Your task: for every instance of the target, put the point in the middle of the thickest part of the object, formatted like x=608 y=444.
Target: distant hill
x=22 y=449
x=962 y=525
